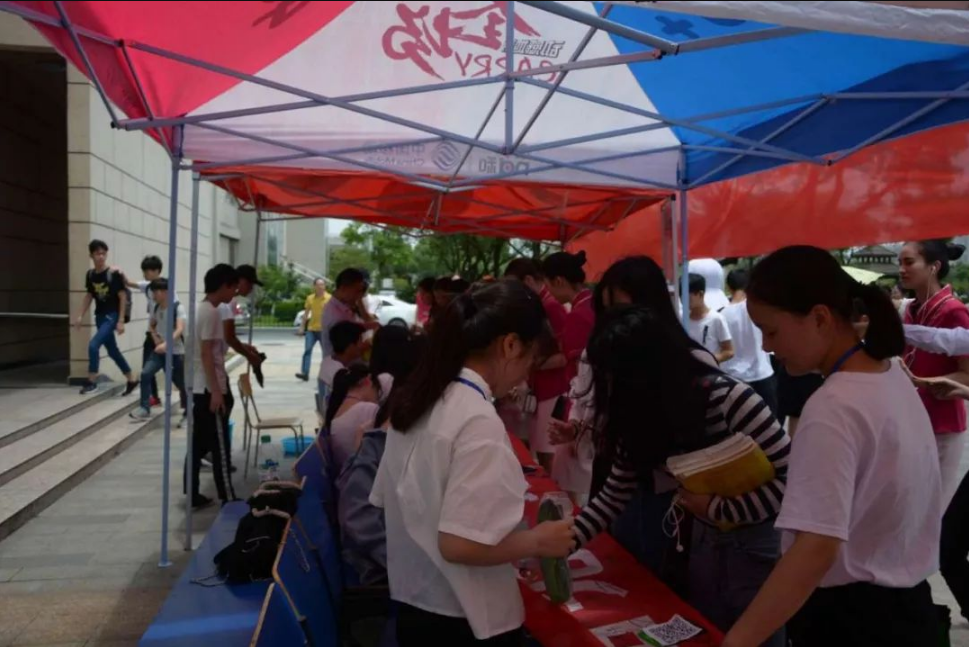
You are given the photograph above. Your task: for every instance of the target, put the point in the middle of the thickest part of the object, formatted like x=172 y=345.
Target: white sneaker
x=140 y=414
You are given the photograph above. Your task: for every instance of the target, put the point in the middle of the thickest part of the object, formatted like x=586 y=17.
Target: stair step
x=25 y=496
x=63 y=402
x=27 y=453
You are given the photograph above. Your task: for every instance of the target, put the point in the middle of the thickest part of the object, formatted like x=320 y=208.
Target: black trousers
x=767 y=390
x=418 y=628
x=955 y=546
x=147 y=350
x=866 y=615
x=205 y=439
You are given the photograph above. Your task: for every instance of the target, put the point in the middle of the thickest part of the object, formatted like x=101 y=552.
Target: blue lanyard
x=844 y=358
x=465 y=381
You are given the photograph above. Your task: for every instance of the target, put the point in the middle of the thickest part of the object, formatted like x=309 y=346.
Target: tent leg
x=163 y=561
x=255 y=263
x=684 y=257
x=190 y=359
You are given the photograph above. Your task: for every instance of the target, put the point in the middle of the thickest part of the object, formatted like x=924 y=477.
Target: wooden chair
x=255 y=424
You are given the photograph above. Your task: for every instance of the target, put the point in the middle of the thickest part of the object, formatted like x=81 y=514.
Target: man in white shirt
x=347 y=305
x=212 y=397
x=750 y=363
x=706 y=327
x=158 y=329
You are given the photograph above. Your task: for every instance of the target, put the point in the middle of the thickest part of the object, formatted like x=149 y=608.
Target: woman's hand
x=561 y=432
x=943 y=388
x=696 y=504
x=553 y=538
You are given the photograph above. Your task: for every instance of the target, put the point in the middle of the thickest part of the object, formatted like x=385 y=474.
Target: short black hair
x=522 y=268
x=427 y=284
x=152 y=263
x=161 y=283
x=351 y=276
x=738 y=280
x=345 y=334
x=220 y=276
x=697 y=284
x=565 y=265
x=459 y=286
x=97 y=245
x=443 y=284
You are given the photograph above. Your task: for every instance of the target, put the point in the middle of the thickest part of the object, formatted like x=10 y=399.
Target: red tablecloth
x=610 y=588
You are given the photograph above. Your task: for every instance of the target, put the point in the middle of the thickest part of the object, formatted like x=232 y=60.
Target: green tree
x=279 y=284
x=472 y=257
x=347 y=256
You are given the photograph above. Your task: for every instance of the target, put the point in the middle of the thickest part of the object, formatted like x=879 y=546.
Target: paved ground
x=85 y=572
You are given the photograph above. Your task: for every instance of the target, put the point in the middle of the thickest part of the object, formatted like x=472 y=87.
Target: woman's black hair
x=647 y=386
x=459 y=286
x=392 y=351
x=468 y=325
x=427 y=284
x=797 y=279
x=345 y=380
x=416 y=346
x=643 y=280
x=521 y=268
x=442 y=284
x=941 y=252
x=565 y=265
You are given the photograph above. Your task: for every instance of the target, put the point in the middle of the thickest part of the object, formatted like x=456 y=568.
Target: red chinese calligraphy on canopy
x=454 y=39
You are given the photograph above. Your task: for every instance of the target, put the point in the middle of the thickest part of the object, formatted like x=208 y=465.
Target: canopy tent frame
x=513 y=145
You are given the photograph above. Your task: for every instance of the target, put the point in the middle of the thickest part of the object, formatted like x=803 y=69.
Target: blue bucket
x=295 y=446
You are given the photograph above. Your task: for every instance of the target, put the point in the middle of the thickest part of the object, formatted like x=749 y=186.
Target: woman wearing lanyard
x=922 y=267
x=863 y=506
x=452 y=490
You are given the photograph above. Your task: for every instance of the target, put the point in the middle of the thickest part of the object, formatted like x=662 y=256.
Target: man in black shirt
x=107 y=289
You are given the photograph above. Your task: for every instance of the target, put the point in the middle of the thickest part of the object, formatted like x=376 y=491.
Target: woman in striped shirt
x=645 y=372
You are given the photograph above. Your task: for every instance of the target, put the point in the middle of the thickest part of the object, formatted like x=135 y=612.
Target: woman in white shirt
x=862 y=510
x=352 y=409
x=452 y=490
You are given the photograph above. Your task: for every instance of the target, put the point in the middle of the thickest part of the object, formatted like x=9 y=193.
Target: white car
x=391 y=311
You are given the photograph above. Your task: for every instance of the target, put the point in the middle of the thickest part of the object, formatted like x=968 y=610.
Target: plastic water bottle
x=268 y=468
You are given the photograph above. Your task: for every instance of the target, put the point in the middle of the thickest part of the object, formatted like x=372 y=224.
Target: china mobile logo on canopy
x=451 y=43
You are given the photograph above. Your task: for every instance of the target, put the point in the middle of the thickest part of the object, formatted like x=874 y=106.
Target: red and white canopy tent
x=388 y=113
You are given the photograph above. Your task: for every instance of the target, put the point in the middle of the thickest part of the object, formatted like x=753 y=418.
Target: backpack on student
x=127 y=291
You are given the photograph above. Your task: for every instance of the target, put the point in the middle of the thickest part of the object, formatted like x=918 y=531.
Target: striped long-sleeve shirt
x=732 y=408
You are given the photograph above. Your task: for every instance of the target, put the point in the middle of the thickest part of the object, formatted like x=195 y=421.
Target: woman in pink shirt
x=565 y=280
x=550 y=380
x=922 y=267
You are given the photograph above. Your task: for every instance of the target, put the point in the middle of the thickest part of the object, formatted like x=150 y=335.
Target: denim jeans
x=313 y=337
x=156 y=363
x=104 y=336
x=727 y=569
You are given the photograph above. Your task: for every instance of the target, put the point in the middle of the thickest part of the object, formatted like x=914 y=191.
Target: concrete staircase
x=42 y=456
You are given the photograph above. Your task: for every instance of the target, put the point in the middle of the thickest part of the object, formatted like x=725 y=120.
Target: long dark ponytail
x=469 y=324
x=796 y=279
x=941 y=252
x=344 y=381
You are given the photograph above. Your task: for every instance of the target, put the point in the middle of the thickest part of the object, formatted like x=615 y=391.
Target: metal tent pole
x=509 y=80
x=163 y=560
x=190 y=359
x=681 y=198
x=255 y=263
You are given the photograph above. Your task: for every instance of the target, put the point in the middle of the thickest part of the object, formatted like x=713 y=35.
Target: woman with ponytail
x=352 y=409
x=862 y=509
x=922 y=268
x=452 y=490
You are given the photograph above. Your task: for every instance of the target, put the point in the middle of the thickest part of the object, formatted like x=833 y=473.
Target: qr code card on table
x=624 y=634
x=673 y=631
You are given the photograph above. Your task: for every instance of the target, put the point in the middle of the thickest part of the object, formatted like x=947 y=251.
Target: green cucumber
x=555 y=570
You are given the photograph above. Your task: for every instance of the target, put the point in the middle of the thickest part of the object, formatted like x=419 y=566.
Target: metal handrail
x=33 y=315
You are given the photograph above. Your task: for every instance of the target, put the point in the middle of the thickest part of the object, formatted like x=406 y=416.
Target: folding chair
x=297 y=573
x=255 y=425
x=279 y=624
